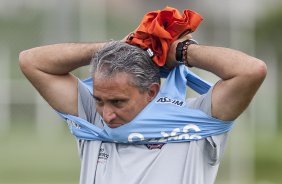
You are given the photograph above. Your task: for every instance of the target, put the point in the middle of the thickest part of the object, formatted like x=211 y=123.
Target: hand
x=171 y=60
x=124 y=39
x=128 y=35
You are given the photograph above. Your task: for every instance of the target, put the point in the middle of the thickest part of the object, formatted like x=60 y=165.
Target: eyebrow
x=111 y=99
x=96 y=98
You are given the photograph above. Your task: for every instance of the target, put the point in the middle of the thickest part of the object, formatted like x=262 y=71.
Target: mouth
x=114 y=125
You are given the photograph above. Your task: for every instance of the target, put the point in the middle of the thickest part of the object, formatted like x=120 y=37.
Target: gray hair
x=116 y=57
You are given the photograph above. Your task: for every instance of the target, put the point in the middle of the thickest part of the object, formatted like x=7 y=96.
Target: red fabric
x=160 y=28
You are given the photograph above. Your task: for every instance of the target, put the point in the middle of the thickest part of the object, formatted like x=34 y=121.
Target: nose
x=108 y=114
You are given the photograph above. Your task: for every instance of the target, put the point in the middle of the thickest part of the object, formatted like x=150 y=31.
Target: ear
x=153 y=91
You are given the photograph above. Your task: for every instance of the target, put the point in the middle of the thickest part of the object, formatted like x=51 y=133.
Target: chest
x=140 y=164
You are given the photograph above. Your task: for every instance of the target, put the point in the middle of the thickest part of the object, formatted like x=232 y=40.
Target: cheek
x=133 y=109
x=127 y=113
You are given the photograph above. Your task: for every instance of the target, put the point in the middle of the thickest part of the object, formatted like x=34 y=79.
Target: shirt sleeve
x=202 y=102
x=213 y=146
x=86 y=102
x=86 y=110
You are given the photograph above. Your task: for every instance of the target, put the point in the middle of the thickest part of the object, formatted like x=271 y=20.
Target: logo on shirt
x=72 y=123
x=188 y=132
x=154 y=146
x=103 y=156
x=171 y=101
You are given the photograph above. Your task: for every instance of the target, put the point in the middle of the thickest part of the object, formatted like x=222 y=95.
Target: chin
x=114 y=125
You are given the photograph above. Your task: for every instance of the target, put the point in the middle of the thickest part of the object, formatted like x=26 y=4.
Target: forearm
x=59 y=59
x=241 y=77
x=48 y=69
x=223 y=62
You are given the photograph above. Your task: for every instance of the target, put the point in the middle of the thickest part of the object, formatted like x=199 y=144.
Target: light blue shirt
x=165 y=119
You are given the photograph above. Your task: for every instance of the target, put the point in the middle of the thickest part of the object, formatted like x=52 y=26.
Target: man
x=125 y=82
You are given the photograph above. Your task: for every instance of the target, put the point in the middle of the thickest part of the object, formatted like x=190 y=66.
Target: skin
x=118 y=101
x=240 y=76
x=48 y=69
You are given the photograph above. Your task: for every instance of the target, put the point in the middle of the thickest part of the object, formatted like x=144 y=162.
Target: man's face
x=117 y=101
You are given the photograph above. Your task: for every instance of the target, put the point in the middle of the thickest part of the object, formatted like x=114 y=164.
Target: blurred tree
x=269 y=29
x=268 y=36
x=20 y=31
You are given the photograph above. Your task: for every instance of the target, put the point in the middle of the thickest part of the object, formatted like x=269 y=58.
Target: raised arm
x=241 y=76
x=48 y=69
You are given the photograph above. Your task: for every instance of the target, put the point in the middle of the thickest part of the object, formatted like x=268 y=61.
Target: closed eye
x=114 y=102
x=117 y=103
x=98 y=100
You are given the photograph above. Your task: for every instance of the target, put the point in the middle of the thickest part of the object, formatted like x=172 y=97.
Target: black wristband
x=181 y=51
x=178 y=54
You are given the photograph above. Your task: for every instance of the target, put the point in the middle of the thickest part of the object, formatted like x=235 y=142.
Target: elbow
x=259 y=71
x=25 y=61
x=254 y=71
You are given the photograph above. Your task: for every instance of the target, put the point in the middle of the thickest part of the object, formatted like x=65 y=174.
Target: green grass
x=26 y=159
x=269 y=159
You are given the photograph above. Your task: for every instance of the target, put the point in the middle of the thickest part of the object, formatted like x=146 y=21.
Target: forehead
x=120 y=78
x=117 y=85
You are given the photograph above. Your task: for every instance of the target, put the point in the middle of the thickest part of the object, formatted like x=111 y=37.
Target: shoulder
x=85 y=99
x=86 y=104
x=202 y=102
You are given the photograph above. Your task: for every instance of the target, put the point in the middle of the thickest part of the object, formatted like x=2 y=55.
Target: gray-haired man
x=125 y=81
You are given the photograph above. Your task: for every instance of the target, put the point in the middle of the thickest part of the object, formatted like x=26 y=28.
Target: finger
x=186 y=37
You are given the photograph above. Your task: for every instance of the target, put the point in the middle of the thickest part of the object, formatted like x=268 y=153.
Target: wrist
x=182 y=52
x=191 y=55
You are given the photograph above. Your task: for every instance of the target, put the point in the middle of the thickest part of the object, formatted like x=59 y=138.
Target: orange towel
x=160 y=28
